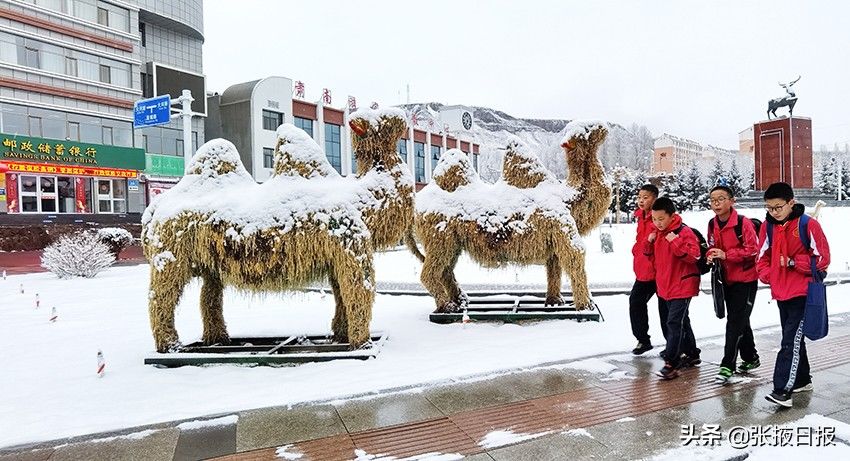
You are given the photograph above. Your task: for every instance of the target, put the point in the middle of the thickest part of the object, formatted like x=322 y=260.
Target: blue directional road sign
x=152 y=112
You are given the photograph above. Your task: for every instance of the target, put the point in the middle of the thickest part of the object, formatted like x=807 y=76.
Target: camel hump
x=522 y=168
x=591 y=132
x=217 y=157
x=297 y=154
x=454 y=170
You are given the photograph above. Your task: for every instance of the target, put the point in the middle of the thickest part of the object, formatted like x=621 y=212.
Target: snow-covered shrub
x=115 y=238
x=77 y=255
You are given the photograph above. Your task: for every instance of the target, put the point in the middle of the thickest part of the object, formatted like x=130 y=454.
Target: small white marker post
x=101 y=364
x=53 y=315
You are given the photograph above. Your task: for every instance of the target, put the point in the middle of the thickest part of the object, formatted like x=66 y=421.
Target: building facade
x=248 y=114
x=70 y=72
x=673 y=153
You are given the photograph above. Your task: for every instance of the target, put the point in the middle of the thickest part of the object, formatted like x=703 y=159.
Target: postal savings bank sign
x=26 y=149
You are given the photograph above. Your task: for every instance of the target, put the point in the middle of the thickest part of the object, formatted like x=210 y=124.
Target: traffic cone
x=53 y=315
x=101 y=364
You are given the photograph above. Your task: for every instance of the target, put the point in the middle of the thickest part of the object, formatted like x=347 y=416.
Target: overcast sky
x=703 y=70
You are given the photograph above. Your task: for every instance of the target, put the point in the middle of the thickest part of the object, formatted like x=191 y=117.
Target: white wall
x=275 y=94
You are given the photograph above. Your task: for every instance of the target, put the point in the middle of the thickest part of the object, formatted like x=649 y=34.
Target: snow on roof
x=300 y=147
x=500 y=205
x=581 y=128
x=373 y=116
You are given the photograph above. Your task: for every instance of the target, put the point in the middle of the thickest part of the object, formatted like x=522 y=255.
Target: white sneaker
x=807 y=388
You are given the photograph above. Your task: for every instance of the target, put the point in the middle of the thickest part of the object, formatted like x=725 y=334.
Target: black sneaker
x=641 y=348
x=746 y=367
x=780 y=398
x=688 y=361
x=668 y=372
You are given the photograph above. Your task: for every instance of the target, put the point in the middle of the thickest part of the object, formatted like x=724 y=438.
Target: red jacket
x=644 y=270
x=676 y=273
x=790 y=282
x=740 y=263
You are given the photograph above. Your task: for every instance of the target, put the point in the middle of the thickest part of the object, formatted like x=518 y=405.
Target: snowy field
x=49 y=389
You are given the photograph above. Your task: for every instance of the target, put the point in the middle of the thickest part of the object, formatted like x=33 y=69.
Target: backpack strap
x=803 y=229
x=711 y=229
x=769 y=232
x=739 y=229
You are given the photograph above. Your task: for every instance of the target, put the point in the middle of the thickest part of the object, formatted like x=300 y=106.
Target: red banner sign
x=71 y=170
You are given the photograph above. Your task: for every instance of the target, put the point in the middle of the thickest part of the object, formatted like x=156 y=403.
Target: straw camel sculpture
x=306 y=223
x=527 y=217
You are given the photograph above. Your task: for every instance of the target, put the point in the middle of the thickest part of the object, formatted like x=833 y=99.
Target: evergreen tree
x=826 y=177
x=736 y=180
x=716 y=176
x=676 y=189
x=845 y=180
x=694 y=188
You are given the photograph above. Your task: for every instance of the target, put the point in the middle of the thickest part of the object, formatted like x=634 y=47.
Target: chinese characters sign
x=71 y=170
x=19 y=148
x=151 y=112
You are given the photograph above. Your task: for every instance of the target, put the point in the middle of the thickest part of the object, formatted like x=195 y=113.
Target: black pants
x=792 y=361
x=639 y=298
x=680 y=336
x=739 y=299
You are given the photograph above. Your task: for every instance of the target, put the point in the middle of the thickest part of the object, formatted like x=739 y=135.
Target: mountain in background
x=629 y=147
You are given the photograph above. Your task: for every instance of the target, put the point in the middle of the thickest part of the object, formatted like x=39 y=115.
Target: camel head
x=582 y=140
x=374 y=135
x=521 y=167
x=454 y=170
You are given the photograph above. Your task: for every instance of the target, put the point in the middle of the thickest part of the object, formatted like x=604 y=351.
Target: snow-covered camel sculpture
x=306 y=223
x=527 y=217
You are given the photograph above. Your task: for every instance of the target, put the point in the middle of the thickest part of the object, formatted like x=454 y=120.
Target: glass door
x=29 y=193
x=104 y=196
x=48 y=198
x=38 y=194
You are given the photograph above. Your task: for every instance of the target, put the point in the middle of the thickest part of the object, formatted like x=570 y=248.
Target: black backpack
x=702 y=263
x=739 y=227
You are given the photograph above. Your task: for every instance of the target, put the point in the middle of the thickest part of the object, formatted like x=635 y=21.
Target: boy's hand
x=671 y=236
x=715 y=253
x=651 y=237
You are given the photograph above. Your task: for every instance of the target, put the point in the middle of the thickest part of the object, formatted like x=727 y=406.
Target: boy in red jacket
x=644 y=287
x=784 y=263
x=675 y=249
x=733 y=244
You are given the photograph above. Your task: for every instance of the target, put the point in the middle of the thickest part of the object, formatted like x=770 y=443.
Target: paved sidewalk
x=626 y=415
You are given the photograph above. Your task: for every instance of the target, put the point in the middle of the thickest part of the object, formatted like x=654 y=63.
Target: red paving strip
x=29 y=262
x=597 y=404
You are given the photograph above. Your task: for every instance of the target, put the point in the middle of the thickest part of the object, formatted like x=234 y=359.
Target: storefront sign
x=19 y=148
x=71 y=170
x=164 y=165
x=12 y=193
x=132 y=184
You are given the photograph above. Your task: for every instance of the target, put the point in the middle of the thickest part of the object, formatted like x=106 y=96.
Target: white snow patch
x=202 y=423
x=581 y=128
x=627 y=419
x=592 y=365
x=501 y=438
x=160 y=260
x=133 y=436
x=580 y=432
x=283 y=452
x=373 y=116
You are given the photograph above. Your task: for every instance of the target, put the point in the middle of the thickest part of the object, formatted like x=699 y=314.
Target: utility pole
x=185 y=100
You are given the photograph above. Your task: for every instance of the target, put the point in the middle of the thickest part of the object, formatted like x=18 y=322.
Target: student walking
x=733 y=243
x=644 y=287
x=675 y=249
x=789 y=240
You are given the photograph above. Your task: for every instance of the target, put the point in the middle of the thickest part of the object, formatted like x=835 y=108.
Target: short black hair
x=649 y=188
x=726 y=189
x=779 y=190
x=664 y=203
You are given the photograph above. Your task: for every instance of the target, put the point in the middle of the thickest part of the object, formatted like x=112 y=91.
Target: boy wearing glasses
x=784 y=264
x=675 y=249
x=733 y=243
x=644 y=287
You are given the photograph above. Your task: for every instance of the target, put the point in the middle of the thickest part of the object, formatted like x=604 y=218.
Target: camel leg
x=358 y=296
x=437 y=262
x=574 y=265
x=453 y=291
x=166 y=288
x=212 y=307
x=553 y=282
x=339 y=325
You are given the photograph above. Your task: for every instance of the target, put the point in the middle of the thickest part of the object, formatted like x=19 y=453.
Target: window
x=66 y=194
x=31 y=57
x=35 y=126
x=333 y=148
x=268 y=157
x=305 y=124
x=13 y=119
x=73 y=131
x=401 y=148
x=105 y=76
x=71 y=66
x=103 y=17
x=272 y=120
x=475 y=162
x=419 y=152
x=435 y=156
x=107 y=136
x=143 y=34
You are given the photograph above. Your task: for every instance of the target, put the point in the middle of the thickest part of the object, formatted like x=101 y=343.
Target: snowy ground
x=49 y=389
